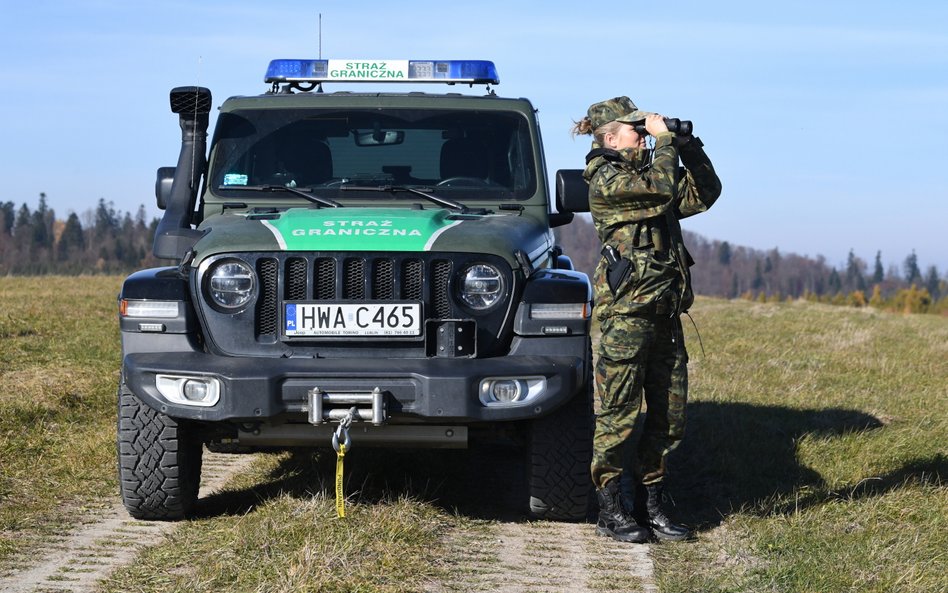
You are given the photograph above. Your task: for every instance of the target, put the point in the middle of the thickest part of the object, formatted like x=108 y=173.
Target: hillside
x=726 y=270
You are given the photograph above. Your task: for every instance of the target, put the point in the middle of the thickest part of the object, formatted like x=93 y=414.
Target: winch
x=368 y=406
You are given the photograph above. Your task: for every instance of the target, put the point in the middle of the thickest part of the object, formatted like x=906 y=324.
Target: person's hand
x=655 y=124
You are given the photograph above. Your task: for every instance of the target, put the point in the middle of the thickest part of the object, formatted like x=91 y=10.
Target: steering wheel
x=464 y=182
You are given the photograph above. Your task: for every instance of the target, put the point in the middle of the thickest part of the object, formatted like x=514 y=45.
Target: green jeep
x=372 y=267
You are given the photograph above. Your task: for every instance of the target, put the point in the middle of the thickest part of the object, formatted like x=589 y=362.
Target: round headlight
x=481 y=286
x=231 y=284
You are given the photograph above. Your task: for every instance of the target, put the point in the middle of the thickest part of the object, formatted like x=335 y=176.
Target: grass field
x=815 y=460
x=59 y=361
x=816 y=452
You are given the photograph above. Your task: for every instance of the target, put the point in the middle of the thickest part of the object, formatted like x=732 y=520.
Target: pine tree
x=854 y=277
x=72 y=241
x=106 y=220
x=24 y=219
x=932 y=283
x=878 y=274
x=7 y=217
x=912 y=273
x=834 y=282
x=42 y=222
x=23 y=231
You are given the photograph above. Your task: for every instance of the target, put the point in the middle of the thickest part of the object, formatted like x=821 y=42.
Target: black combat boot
x=661 y=526
x=613 y=520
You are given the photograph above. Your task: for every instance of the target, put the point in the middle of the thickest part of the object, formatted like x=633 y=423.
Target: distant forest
x=103 y=240
x=106 y=240
x=731 y=271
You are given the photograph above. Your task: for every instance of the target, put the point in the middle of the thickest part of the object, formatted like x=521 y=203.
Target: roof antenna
x=319 y=86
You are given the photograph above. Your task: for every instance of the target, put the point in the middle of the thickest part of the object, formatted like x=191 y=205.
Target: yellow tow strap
x=340 y=498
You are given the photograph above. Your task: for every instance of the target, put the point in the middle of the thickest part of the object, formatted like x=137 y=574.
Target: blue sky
x=827 y=121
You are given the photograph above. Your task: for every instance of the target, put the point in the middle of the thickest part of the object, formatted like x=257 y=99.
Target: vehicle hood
x=375 y=230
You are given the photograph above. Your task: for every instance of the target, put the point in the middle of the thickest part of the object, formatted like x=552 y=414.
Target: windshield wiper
x=298 y=192
x=443 y=202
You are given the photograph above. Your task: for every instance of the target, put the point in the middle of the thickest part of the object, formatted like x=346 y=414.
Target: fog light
x=506 y=391
x=189 y=391
x=510 y=391
x=195 y=391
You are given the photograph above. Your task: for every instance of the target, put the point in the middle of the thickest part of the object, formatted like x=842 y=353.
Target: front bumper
x=431 y=390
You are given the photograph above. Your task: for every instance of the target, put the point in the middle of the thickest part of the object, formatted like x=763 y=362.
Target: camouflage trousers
x=639 y=355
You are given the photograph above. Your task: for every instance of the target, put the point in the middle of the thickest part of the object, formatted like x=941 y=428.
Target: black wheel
x=560 y=455
x=159 y=461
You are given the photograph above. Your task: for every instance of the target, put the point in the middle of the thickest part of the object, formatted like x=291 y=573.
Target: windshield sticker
x=235 y=179
x=388 y=229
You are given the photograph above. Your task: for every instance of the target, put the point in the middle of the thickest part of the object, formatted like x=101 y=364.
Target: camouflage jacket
x=636 y=206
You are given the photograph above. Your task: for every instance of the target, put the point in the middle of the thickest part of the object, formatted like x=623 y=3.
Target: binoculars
x=680 y=127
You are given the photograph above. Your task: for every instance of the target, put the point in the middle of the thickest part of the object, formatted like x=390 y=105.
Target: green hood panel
x=374 y=230
x=350 y=229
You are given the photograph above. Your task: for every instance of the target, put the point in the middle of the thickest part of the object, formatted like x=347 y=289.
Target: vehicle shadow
x=485 y=482
x=735 y=457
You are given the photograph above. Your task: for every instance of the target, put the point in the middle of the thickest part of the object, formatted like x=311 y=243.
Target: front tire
x=560 y=456
x=159 y=461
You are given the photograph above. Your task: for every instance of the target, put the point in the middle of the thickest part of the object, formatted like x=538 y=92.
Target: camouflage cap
x=617 y=109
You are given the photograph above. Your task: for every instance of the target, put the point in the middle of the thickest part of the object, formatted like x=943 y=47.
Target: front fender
x=551 y=287
x=152 y=333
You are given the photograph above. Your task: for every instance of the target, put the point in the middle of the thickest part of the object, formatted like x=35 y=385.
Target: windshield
x=458 y=153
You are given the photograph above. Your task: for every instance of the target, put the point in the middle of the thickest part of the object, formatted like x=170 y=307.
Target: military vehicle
x=356 y=268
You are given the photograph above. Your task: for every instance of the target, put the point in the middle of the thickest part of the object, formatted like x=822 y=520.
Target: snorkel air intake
x=174 y=236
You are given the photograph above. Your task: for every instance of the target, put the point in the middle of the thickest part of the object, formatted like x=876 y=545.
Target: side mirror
x=560 y=218
x=572 y=191
x=165 y=178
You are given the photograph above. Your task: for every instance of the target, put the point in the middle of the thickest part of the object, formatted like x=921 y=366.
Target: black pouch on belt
x=618 y=267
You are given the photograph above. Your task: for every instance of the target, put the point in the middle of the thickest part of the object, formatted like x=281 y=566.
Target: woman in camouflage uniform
x=636 y=197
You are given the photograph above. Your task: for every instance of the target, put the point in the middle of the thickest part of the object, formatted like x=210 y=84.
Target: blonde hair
x=584 y=127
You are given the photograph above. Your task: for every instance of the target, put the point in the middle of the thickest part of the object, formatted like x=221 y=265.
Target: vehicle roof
x=369 y=99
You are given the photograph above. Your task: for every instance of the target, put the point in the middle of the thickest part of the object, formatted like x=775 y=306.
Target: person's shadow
x=738 y=456
x=734 y=457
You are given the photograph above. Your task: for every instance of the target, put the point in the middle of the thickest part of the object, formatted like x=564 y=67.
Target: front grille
x=267 y=314
x=354 y=276
x=353 y=287
x=442 y=283
x=351 y=278
x=324 y=285
x=383 y=279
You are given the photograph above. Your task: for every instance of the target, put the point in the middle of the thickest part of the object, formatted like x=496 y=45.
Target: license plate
x=352 y=319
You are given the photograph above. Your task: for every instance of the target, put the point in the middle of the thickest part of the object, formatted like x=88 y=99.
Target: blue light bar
x=449 y=71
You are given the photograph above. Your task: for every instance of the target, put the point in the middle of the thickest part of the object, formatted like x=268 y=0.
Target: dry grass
x=58 y=369
x=816 y=452
x=815 y=461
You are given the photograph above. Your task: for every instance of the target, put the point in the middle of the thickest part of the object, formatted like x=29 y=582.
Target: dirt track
x=531 y=556
x=105 y=540
x=549 y=557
